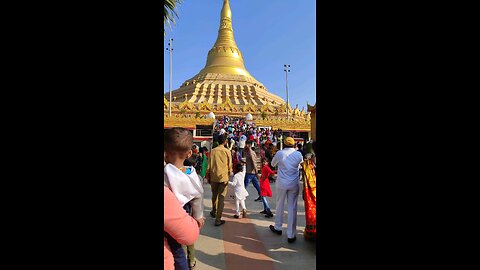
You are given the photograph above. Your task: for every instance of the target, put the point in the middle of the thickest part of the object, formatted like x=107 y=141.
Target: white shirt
x=239 y=186
x=288 y=161
x=241 y=141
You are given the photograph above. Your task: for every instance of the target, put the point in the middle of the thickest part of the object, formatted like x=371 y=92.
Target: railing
x=204 y=132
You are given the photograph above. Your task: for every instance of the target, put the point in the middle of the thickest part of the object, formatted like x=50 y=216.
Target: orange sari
x=310 y=199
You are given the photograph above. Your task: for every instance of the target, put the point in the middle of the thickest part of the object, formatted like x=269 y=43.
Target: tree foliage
x=169 y=13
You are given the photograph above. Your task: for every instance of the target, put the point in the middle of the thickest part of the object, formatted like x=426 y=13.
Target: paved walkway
x=248 y=243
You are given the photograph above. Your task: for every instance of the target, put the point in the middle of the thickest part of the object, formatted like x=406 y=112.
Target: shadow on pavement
x=214 y=261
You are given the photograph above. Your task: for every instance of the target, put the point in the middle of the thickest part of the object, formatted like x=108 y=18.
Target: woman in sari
x=310 y=197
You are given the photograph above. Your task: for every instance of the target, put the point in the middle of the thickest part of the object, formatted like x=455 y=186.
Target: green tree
x=169 y=13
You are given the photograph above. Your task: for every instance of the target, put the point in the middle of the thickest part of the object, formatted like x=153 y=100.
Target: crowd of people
x=233 y=160
x=239 y=131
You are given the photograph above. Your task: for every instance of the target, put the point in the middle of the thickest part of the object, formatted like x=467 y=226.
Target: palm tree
x=169 y=13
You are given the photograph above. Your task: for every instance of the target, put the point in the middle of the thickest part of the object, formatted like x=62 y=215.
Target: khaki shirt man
x=219 y=170
x=220 y=164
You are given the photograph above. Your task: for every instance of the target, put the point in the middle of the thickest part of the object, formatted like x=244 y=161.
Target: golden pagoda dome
x=225 y=87
x=224 y=82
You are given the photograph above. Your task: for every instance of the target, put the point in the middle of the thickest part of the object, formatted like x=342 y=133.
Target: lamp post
x=170 y=49
x=286 y=69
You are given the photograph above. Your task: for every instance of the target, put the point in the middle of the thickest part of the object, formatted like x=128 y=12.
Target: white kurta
x=239 y=185
x=287 y=187
x=288 y=161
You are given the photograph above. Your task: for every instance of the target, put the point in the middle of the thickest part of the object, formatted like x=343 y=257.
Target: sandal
x=191 y=266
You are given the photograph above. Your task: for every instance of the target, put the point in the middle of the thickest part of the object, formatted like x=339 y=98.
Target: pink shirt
x=178 y=224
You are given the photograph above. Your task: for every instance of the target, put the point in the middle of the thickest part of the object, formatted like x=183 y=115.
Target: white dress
x=239 y=185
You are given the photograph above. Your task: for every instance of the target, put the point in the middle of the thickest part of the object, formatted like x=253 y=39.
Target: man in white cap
x=288 y=187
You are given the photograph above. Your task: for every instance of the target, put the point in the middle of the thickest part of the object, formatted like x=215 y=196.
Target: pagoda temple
x=225 y=87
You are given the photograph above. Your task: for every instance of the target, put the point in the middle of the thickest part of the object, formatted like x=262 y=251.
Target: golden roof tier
x=224 y=78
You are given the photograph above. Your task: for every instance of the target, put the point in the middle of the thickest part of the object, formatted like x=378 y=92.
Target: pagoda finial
x=226 y=11
x=225 y=57
x=225 y=31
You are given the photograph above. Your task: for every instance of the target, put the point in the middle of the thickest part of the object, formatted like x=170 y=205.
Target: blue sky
x=269 y=33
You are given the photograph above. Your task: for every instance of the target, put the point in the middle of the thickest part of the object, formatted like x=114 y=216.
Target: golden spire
x=226 y=12
x=225 y=57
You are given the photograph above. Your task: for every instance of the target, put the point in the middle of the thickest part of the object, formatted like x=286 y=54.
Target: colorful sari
x=310 y=199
